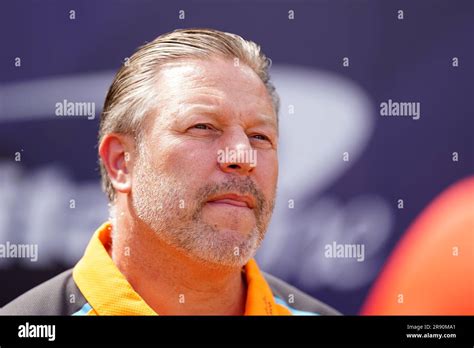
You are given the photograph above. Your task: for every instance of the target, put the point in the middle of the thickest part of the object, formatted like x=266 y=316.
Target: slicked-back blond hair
x=131 y=93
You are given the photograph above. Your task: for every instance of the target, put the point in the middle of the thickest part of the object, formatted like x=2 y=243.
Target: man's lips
x=234 y=199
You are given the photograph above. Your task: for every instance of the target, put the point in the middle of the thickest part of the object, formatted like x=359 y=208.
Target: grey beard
x=158 y=202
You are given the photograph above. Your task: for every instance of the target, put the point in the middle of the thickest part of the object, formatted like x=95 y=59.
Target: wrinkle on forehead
x=213 y=82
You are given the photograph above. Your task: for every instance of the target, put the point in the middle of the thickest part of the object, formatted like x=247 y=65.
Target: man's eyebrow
x=213 y=110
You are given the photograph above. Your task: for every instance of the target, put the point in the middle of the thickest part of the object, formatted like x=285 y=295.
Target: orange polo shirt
x=108 y=292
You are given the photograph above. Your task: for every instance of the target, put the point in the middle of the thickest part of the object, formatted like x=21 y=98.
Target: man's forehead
x=191 y=85
x=181 y=70
x=215 y=72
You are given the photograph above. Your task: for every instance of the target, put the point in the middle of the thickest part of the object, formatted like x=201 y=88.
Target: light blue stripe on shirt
x=293 y=310
x=84 y=310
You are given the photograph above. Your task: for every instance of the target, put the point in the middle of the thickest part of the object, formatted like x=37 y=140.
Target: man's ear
x=115 y=150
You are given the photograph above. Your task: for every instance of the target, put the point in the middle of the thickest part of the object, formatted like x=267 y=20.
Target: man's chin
x=228 y=248
x=239 y=231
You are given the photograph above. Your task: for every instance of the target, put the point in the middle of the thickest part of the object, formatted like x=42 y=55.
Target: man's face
x=186 y=186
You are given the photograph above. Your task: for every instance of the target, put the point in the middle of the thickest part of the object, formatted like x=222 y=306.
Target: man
x=188 y=154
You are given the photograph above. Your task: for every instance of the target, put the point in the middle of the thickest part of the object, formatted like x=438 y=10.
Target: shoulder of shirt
x=298 y=302
x=57 y=296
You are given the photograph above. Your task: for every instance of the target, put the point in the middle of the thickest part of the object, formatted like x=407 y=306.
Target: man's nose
x=235 y=154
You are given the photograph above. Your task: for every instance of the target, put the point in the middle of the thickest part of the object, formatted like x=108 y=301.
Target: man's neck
x=172 y=283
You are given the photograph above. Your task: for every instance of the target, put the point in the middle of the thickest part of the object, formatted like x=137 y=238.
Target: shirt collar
x=109 y=293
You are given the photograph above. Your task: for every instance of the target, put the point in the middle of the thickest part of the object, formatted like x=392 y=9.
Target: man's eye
x=260 y=137
x=202 y=126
